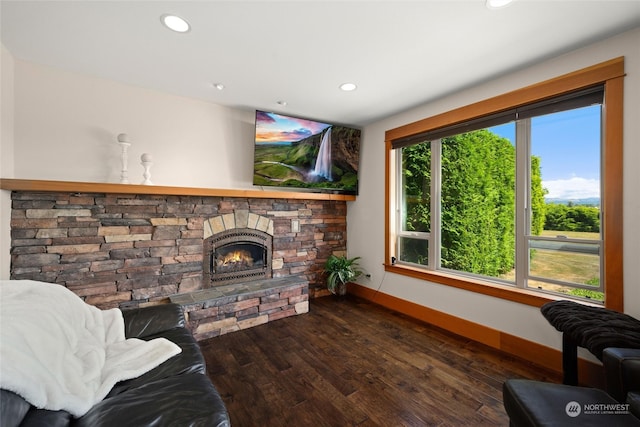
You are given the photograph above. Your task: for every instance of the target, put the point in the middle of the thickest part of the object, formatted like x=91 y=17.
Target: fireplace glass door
x=237 y=256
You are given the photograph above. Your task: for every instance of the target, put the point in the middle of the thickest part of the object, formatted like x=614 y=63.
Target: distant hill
x=589 y=201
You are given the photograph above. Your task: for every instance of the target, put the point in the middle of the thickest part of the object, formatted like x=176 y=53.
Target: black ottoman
x=593 y=328
x=533 y=403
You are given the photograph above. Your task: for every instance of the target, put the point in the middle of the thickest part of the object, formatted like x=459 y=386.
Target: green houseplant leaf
x=341 y=270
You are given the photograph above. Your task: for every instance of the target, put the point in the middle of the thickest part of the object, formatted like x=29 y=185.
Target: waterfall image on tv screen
x=301 y=153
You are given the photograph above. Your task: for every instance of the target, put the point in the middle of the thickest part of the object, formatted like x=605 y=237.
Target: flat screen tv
x=300 y=153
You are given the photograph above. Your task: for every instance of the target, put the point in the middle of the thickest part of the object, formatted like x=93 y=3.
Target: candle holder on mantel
x=146 y=160
x=125 y=143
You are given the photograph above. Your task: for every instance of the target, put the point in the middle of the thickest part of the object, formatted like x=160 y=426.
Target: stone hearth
x=223 y=309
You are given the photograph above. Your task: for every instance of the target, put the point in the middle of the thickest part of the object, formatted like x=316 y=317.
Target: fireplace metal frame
x=236 y=236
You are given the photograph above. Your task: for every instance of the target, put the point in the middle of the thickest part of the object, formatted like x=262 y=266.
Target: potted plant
x=341 y=270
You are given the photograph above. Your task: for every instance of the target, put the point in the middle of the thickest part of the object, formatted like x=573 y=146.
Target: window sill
x=509 y=293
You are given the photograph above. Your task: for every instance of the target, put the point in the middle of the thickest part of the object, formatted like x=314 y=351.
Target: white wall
x=6 y=154
x=366 y=214
x=66 y=126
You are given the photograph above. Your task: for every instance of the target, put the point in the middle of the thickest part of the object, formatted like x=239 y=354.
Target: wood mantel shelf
x=97 y=187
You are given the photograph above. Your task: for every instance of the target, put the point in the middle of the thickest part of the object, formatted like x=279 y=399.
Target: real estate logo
x=573 y=409
x=606 y=408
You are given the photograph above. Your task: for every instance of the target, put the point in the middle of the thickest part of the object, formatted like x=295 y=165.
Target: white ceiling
x=399 y=53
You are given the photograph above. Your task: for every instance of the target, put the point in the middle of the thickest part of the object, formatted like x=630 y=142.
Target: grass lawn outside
x=567 y=266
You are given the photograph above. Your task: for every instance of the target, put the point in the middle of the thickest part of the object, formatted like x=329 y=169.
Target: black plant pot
x=341 y=290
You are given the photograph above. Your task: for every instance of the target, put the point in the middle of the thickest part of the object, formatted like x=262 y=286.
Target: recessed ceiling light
x=175 y=23
x=348 y=87
x=497 y=4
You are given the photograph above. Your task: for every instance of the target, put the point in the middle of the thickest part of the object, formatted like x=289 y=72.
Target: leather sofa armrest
x=622 y=371
x=142 y=322
x=13 y=408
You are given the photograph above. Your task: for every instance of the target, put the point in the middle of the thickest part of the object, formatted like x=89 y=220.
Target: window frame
x=610 y=74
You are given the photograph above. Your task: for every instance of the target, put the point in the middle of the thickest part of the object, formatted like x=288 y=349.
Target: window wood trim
x=611 y=74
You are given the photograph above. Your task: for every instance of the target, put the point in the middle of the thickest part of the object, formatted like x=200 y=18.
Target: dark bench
x=593 y=328
x=534 y=403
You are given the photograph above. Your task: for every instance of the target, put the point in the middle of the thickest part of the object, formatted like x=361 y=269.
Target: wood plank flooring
x=352 y=363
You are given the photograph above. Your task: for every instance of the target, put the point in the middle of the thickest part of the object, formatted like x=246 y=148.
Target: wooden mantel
x=97 y=187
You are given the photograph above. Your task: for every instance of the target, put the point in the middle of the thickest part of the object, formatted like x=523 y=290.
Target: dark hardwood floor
x=352 y=363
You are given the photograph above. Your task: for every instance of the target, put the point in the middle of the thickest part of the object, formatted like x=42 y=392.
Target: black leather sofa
x=176 y=393
x=533 y=403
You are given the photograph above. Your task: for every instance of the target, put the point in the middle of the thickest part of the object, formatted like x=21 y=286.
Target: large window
x=513 y=197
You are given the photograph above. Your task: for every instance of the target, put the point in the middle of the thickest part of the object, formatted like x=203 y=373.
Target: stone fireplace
x=125 y=246
x=238 y=250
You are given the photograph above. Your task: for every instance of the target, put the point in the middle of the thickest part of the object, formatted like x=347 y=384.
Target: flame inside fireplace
x=239 y=258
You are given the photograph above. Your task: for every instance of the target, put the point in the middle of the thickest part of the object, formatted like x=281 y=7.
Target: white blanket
x=58 y=352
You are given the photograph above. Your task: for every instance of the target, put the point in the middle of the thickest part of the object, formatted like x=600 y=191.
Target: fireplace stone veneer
x=128 y=250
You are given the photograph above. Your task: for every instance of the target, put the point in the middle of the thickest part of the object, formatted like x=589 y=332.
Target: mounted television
x=300 y=153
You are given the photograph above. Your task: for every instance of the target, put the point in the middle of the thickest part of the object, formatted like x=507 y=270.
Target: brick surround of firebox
x=124 y=250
